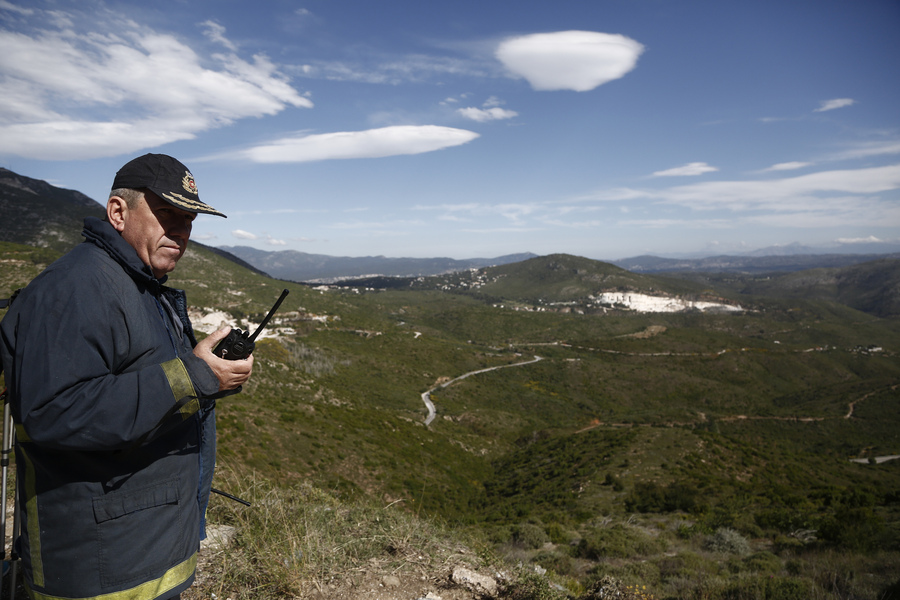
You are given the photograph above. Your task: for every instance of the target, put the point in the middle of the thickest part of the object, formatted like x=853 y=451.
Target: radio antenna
x=268 y=316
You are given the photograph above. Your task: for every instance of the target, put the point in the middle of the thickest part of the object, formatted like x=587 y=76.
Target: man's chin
x=164 y=267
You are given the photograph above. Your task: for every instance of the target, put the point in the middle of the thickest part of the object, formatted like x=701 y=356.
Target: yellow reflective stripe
x=182 y=386
x=34 y=528
x=172 y=578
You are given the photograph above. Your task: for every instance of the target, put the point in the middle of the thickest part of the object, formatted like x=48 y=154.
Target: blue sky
x=601 y=128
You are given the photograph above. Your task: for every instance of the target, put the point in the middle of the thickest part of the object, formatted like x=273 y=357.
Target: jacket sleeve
x=95 y=370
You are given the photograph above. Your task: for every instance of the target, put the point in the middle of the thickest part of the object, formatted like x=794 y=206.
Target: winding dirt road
x=426 y=397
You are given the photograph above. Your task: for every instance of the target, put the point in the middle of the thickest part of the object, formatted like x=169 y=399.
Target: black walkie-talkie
x=239 y=344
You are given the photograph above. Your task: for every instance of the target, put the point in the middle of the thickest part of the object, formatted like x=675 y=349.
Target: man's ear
x=116 y=211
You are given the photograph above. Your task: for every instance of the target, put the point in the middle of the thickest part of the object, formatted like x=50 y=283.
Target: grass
x=299 y=541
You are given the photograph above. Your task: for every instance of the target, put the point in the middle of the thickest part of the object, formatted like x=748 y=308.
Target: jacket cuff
x=204 y=383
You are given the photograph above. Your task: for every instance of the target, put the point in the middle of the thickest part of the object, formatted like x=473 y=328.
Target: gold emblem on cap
x=189 y=184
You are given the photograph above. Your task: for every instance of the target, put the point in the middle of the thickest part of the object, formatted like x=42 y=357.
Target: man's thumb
x=220 y=334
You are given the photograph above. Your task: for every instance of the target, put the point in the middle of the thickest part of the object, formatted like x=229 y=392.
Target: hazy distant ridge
x=301 y=266
x=747 y=264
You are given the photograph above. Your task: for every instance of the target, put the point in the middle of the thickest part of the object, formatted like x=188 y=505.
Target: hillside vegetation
x=697 y=455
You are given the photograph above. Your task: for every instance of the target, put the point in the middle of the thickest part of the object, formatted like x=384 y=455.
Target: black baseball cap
x=165 y=177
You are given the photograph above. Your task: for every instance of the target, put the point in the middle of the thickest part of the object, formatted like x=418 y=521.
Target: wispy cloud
x=266 y=238
x=490 y=111
x=816 y=190
x=16 y=9
x=216 y=33
x=866 y=240
x=514 y=212
x=569 y=60
x=787 y=166
x=835 y=103
x=868 y=149
x=378 y=68
x=83 y=86
x=489 y=114
x=688 y=170
x=371 y=143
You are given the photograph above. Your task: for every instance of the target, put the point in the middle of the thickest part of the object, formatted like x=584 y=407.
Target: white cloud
x=836 y=103
x=511 y=211
x=787 y=166
x=836 y=198
x=490 y=111
x=866 y=240
x=569 y=60
x=244 y=235
x=489 y=114
x=82 y=92
x=805 y=192
x=216 y=33
x=16 y=9
x=688 y=170
x=869 y=149
x=371 y=143
x=392 y=70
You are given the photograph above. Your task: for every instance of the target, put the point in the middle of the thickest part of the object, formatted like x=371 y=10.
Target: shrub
x=529 y=535
x=854 y=528
x=763 y=562
x=558 y=534
x=686 y=565
x=727 y=541
x=528 y=585
x=786 y=588
x=558 y=562
x=618 y=541
x=651 y=497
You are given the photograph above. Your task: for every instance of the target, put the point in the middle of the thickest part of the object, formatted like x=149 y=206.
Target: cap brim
x=194 y=206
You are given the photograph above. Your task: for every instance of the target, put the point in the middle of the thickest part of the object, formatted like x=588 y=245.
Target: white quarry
x=646 y=303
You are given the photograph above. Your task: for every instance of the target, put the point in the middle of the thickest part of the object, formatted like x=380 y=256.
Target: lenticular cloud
x=569 y=60
x=373 y=143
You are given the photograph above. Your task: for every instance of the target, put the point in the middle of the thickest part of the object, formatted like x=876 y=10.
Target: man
x=113 y=400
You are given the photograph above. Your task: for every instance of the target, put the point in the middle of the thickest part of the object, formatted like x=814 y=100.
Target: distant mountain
x=746 y=264
x=35 y=213
x=300 y=266
x=557 y=279
x=870 y=246
x=38 y=214
x=560 y=280
x=872 y=287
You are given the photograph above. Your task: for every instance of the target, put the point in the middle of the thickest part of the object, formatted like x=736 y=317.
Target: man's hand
x=230 y=373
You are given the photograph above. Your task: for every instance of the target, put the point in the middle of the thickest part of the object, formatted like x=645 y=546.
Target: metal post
x=17 y=524
x=9 y=441
x=4 y=467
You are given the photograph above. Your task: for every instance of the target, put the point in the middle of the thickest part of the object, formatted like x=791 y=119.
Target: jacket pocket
x=140 y=532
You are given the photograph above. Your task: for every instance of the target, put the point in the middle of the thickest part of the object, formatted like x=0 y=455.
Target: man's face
x=158 y=231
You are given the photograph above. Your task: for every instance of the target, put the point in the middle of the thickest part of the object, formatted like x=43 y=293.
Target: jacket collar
x=104 y=235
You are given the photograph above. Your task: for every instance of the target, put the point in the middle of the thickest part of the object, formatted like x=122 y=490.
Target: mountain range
x=35 y=212
x=321 y=268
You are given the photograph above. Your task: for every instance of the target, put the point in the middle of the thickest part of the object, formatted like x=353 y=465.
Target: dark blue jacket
x=115 y=426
